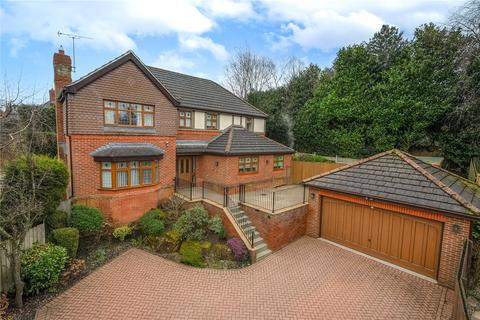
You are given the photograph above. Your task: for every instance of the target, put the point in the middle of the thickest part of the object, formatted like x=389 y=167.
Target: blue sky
x=197 y=37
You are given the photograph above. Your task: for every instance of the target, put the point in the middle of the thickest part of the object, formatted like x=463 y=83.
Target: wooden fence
x=34 y=235
x=302 y=169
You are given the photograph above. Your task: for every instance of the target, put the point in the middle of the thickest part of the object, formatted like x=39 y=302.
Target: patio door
x=185 y=168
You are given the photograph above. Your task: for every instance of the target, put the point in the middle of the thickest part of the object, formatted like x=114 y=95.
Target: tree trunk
x=17 y=277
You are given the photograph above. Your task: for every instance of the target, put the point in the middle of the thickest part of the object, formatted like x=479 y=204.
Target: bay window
x=129 y=174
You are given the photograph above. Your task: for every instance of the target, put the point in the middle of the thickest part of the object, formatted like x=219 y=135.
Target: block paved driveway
x=309 y=279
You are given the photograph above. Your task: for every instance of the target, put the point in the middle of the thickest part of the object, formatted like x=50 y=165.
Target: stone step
x=260 y=246
x=262 y=255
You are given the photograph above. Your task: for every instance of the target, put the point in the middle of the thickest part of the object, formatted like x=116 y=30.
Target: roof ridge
x=361 y=161
x=457 y=197
x=243 y=100
x=230 y=139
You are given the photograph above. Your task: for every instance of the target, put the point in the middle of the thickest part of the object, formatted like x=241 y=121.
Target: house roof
x=398 y=177
x=127 y=151
x=181 y=89
x=236 y=140
x=204 y=94
x=191 y=146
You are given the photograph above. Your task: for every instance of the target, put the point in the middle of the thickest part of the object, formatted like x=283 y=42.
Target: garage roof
x=398 y=177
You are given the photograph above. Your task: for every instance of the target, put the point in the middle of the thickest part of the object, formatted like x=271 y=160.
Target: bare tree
x=467 y=19
x=249 y=72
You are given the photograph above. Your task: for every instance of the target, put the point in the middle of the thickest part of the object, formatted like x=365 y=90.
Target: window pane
x=147 y=176
x=109 y=116
x=136 y=107
x=148 y=120
x=182 y=123
x=255 y=159
x=109 y=104
x=106 y=179
x=146 y=163
x=209 y=116
x=157 y=172
x=136 y=119
x=247 y=168
x=254 y=167
x=123 y=105
x=122 y=179
x=106 y=165
x=240 y=168
x=148 y=108
x=188 y=114
x=134 y=177
x=134 y=164
x=124 y=117
x=242 y=160
x=187 y=122
x=121 y=165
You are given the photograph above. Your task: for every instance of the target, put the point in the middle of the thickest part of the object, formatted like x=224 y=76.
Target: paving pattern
x=309 y=279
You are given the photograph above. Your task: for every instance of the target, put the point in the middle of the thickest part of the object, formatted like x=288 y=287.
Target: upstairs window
x=248 y=165
x=277 y=162
x=249 y=124
x=185 y=119
x=211 y=121
x=129 y=174
x=124 y=114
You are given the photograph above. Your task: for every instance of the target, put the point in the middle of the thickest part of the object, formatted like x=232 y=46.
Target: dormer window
x=185 y=119
x=249 y=124
x=125 y=114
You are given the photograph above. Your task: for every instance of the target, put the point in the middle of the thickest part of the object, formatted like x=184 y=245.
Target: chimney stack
x=62 y=76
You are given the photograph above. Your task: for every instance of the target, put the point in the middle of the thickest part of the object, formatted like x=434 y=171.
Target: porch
x=263 y=195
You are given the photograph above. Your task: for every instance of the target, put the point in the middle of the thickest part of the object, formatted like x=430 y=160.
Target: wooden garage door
x=410 y=242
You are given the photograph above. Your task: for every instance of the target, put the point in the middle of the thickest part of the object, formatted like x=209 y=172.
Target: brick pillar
x=62 y=76
x=313 y=213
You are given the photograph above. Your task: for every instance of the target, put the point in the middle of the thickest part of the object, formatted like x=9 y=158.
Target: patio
x=268 y=198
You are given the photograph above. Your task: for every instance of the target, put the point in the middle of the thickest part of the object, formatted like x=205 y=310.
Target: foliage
x=216 y=226
x=193 y=224
x=88 y=221
x=57 y=219
x=67 y=238
x=221 y=251
x=476 y=231
x=4 y=307
x=42 y=266
x=41 y=134
x=50 y=174
x=168 y=242
x=192 y=252
x=238 y=248
x=100 y=257
x=310 y=157
x=151 y=223
x=122 y=232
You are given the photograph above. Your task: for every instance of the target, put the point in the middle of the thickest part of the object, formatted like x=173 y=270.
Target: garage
x=396 y=208
x=407 y=241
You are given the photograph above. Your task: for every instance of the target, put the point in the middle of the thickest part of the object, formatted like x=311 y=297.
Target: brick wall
x=126 y=83
x=452 y=241
x=278 y=229
x=122 y=205
x=226 y=172
x=186 y=134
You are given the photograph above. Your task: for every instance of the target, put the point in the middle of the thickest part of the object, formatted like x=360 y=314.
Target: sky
x=196 y=37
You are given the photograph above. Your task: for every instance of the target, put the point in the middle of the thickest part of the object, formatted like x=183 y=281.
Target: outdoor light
x=312 y=195
x=456 y=228
x=216 y=163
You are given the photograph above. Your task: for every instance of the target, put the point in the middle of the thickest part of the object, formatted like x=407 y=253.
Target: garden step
x=260 y=247
x=262 y=255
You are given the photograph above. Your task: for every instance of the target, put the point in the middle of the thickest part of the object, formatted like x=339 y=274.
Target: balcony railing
x=262 y=194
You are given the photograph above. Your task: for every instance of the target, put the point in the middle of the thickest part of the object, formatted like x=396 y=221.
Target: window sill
x=129 y=130
x=129 y=188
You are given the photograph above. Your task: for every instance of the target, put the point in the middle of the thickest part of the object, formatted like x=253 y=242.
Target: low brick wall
x=128 y=205
x=279 y=229
x=213 y=211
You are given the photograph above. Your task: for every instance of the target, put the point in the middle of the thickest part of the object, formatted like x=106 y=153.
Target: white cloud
x=171 y=60
x=16 y=44
x=242 y=9
x=194 y=42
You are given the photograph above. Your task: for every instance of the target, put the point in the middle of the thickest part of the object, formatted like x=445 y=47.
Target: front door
x=185 y=168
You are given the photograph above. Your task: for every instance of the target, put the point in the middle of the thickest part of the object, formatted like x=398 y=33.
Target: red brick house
x=128 y=131
x=398 y=209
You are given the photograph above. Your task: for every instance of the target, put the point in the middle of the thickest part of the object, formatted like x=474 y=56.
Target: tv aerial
x=73 y=37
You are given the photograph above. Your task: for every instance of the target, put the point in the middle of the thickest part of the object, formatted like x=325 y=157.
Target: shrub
x=100 y=256
x=216 y=226
x=122 y=232
x=67 y=238
x=42 y=266
x=221 y=252
x=192 y=252
x=151 y=223
x=310 y=158
x=193 y=224
x=51 y=172
x=57 y=219
x=238 y=248
x=87 y=220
